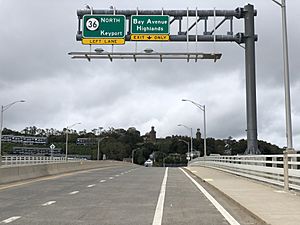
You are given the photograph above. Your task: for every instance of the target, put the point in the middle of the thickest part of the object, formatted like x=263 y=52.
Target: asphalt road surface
x=127 y=195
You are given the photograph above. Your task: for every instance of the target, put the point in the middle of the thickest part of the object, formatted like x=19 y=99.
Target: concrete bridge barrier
x=24 y=172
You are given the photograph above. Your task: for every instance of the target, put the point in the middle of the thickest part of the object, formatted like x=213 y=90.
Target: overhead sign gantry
x=105 y=27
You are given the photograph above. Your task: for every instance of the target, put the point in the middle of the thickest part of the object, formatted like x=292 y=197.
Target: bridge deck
x=123 y=195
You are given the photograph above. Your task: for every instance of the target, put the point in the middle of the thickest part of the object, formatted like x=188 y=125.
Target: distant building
x=198 y=135
x=33 y=151
x=150 y=136
x=26 y=140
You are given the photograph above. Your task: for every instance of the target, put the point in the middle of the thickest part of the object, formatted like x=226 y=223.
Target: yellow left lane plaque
x=103 y=41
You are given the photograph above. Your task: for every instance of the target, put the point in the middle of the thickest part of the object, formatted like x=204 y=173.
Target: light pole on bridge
x=132 y=154
x=67 y=137
x=201 y=107
x=288 y=117
x=189 y=128
x=99 y=140
x=4 y=108
x=188 y=145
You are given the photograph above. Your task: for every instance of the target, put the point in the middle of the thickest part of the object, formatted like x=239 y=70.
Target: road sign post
x=150 y=28
x=52 y=146
x=103 y=29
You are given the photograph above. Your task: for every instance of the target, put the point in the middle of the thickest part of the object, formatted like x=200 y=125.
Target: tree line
x=119 y=144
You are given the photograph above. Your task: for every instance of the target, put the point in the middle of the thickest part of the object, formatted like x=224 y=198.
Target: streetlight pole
x=67 y=137
x=288 y=117
x=132 y=154
x=188 y=145
x=4 y=108
x=99 y=140
x=201 y=107
x=189 y=128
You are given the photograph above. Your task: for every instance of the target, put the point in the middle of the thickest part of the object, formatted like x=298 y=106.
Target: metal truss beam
x=140 y=55
x=238 y=12
x=238 y=38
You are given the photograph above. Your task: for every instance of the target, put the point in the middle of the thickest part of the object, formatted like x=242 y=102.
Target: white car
x=148 y=163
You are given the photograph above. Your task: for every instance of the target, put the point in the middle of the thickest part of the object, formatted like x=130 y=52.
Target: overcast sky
x=36 y=36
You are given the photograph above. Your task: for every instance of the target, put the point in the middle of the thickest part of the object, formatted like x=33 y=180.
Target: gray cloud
x=60 y=91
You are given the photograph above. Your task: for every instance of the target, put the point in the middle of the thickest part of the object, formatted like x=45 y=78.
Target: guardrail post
x=286 y=170
x=264 y=159
x=273 y=162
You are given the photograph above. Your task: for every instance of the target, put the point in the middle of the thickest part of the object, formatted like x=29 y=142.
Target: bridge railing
x=29 y=160
x=282 y=170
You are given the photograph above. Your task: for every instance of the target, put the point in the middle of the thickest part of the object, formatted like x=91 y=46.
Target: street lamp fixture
x=202 y=108
x=67 y=132
x=189 y=128
x=4 y=108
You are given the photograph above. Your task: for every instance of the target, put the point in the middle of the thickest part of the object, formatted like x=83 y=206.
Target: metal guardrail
x=30 y=160
x=282 y=170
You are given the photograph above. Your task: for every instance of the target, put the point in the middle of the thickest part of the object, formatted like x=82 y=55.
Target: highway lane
x=115 y=196
x=185 y=204
x=24 y=199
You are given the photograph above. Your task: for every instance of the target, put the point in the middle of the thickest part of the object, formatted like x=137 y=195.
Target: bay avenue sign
x=103 y=29
x=150 y=28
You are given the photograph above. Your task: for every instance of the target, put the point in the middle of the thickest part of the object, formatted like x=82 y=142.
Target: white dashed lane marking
x=111 y=178
x=91 y=185
x=102 y=181
x=9 y=220
x=49 y=203
x=117 y=175
x=73 y=192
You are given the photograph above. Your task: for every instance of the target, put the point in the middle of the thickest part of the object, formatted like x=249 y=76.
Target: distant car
x=148 y=163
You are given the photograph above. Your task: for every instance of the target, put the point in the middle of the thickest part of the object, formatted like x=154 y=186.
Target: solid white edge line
x=157 y=220
x=220 y=208
x=11 y=219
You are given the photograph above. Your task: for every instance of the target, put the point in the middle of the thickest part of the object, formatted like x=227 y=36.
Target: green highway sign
x=150 y=24
x=103 y=26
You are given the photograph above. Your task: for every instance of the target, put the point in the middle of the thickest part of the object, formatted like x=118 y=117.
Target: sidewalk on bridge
x=269 y=203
